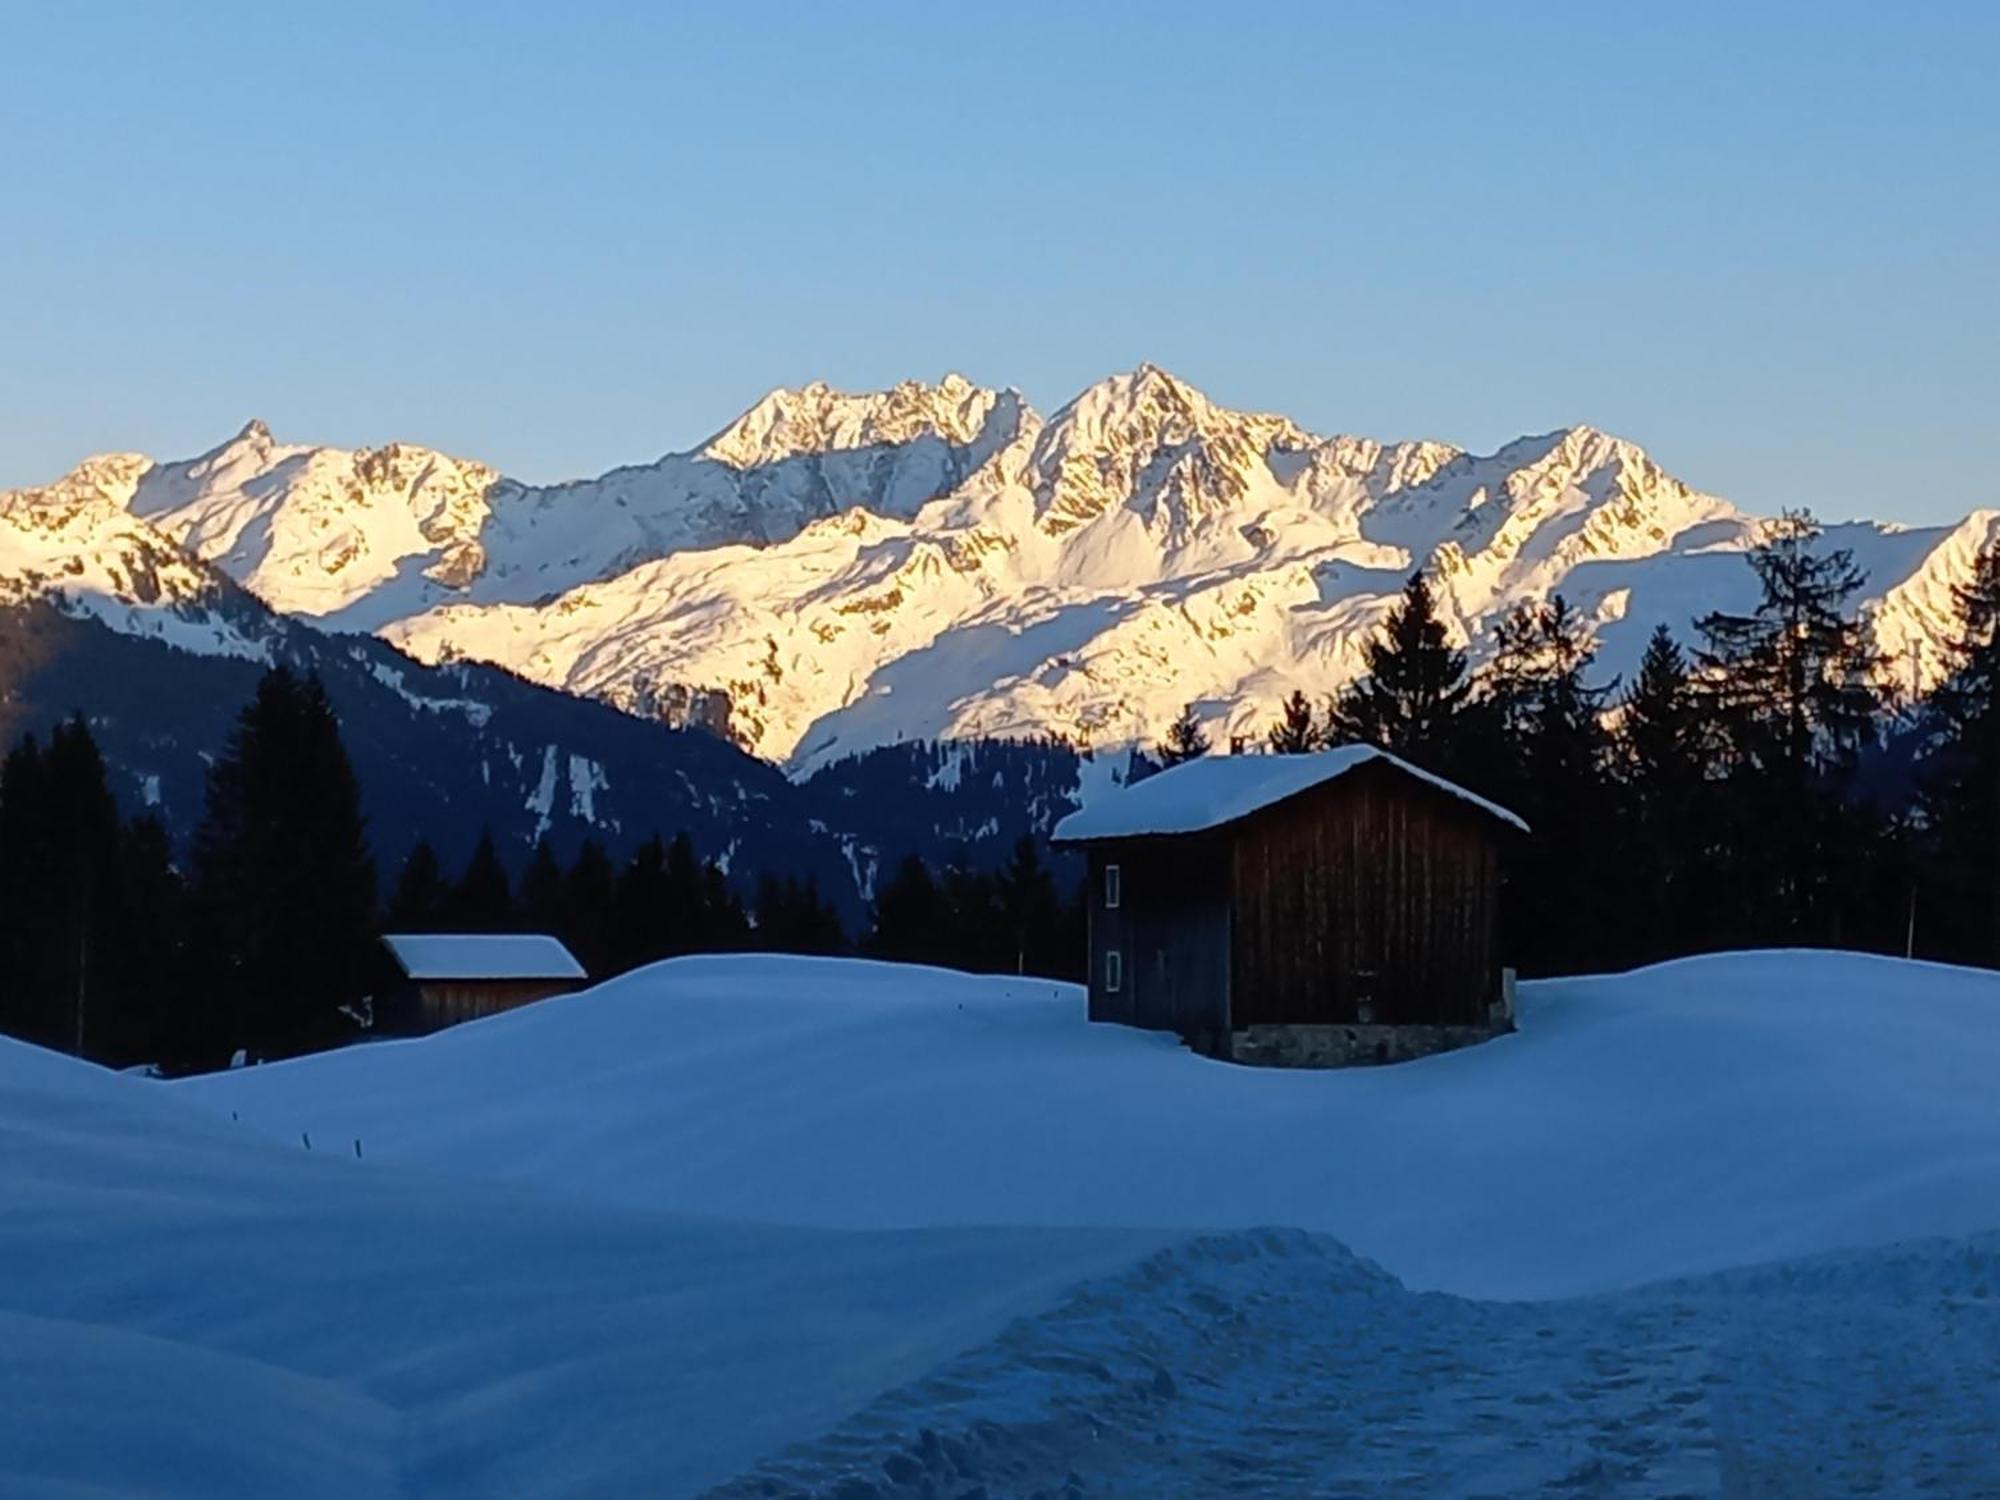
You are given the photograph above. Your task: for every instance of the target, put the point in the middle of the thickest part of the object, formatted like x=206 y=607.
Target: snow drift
x=1708 y=1113
x=189 y=1310
x=501 y=1291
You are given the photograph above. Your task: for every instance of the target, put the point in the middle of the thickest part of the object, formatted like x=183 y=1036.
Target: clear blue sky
x=1762 y=240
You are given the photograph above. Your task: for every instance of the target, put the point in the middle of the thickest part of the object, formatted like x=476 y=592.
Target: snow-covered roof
x=1212 y=790
x=482 y=955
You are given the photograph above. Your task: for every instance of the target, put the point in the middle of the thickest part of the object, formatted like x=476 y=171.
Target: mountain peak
x=816 y=418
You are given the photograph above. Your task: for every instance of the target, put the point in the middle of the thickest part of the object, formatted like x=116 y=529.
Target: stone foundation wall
x=1350 y=1046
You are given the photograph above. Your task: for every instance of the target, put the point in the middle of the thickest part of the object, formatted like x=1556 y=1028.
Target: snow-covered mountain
x=831 y=573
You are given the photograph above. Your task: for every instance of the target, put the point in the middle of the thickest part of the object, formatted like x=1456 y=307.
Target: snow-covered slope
x=1702 y=1114
x=188 y=1309
x=493 y=1295
x=834 y=572
x=73 y=544
x=363 y=537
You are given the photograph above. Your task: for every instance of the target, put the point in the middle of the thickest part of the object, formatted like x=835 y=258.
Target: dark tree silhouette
x=1660 y=763
x=911 y=922
x=283 y=873
x=1789 y=685
x=1414 y=688
x=1960 y=779
x=422 y=896
x=483 y=898
x=1186 y=739
x=1296 y=730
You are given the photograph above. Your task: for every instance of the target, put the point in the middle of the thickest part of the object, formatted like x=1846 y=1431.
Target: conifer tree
x=726 y=925
x=686 y=915
x=283 y=875
x=910 y=922
x=148 y=1010
x=483 y=898
x=1186 y=739
x=589 y=889
x=1960 y=777
x=59 y=860
x=641 y=918
x=792 y=917
x=422 y=896
x=541 y=899
x=1296 y=731
x=1660 y=726
x=1790 y=689
x=1552 y=770
x=81 y=869
x=1660 y=765
x=981 y=940
x=29 y=910
x=1029 y=910
x=1414 y=688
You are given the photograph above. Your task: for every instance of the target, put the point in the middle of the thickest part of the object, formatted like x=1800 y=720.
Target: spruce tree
x=909 y=921
x=640 y=909
x=1552 y=771
x=82 y=869
x=1959 y=778
x=1790 y=689
x=792 y=917
x=422 y=897
x=589 y=888
x=726 y=926
x=30 y=913
x=1029 y=909
x=59 y=872
x=283 y=875
x=483 y=898
x=1666 y=823
x=1296 y=732
x=541 y=899
x=148 y=1014
x=686 y=915
x=1414 y=687
x=1186 y=739
x=981 y=940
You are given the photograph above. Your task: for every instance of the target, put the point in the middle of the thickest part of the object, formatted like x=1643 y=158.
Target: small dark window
x=1112 y=887
x=1114 y=971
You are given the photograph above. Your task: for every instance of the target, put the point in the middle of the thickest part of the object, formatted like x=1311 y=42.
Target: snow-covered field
x=1710 y=1113
x=1715 y=1228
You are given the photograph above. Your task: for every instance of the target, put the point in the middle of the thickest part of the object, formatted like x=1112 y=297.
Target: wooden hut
x=439 y=979
x=1333 y=907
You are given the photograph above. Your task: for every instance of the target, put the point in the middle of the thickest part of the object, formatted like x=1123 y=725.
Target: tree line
x=263 y=938
x=1753 y=787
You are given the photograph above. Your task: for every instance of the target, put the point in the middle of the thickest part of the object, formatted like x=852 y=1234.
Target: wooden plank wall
x=446 y=1002
x=1371 y=887
x=1172 y=929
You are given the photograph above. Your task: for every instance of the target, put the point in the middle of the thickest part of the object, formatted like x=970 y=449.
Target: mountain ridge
x=834 y=571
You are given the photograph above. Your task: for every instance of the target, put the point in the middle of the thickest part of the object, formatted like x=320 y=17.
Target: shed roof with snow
x=482 y=956
x=1213 y=790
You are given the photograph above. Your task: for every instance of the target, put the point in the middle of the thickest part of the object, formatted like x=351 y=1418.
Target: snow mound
x=1704 y=1114
x=190 y=1310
